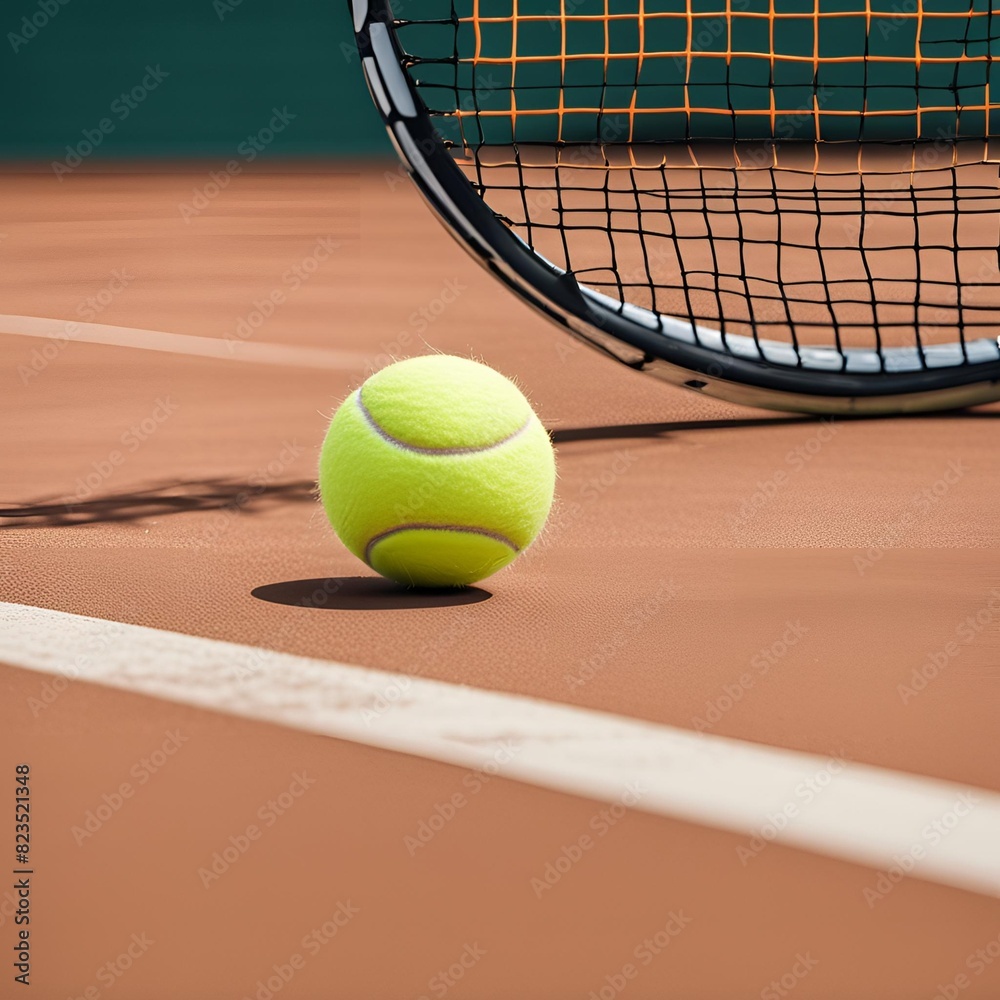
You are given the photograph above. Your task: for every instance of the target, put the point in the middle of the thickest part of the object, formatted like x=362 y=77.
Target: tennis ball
x=436 y=472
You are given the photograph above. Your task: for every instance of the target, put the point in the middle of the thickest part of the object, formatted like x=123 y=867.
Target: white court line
x=285 y=355
x=867 y=815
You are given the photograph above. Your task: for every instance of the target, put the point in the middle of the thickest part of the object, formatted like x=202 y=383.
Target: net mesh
x=816 y=172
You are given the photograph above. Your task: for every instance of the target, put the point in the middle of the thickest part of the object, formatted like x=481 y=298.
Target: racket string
x=822 y=177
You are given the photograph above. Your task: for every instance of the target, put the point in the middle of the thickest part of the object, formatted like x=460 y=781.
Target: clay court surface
x=692 y=542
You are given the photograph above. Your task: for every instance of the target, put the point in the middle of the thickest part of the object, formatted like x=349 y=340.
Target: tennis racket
x=792 y=204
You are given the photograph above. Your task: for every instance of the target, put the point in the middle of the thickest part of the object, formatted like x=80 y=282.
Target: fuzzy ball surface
x=436 y=472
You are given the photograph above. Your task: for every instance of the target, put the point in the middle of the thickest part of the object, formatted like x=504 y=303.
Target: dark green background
x=225 y=76
x=230 y=62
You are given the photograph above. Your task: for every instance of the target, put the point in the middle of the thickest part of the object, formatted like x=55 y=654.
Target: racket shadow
x=623 y=431
x=156 y=501
x=651 y=430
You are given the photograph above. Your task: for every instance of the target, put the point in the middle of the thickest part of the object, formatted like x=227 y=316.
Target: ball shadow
x=365 y=593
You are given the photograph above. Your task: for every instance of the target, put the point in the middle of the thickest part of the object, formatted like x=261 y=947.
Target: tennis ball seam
x=406 y=446
x=424 y=526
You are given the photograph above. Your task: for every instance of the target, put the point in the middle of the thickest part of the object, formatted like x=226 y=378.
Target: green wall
x=221 y=67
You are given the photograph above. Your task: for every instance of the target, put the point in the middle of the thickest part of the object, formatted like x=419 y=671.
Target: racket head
x=748 y=370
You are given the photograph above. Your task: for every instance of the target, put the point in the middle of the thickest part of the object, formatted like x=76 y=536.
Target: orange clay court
x=825 y=589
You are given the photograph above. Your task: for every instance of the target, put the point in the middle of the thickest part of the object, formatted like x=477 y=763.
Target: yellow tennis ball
x=436 y=472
